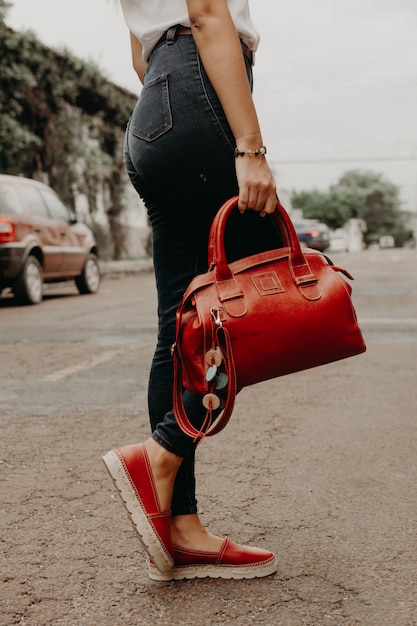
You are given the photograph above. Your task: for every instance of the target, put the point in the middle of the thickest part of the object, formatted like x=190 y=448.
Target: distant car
x=339 y=240
x=386 y=241
x=314 y=236
x=41 y=241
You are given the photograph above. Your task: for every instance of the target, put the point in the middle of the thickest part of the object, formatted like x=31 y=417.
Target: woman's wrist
x=257 y=152
x=249 y=144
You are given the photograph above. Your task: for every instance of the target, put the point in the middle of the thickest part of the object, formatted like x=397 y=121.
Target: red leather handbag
x=263 y=316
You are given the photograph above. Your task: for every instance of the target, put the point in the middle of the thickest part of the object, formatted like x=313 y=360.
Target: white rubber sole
x=147 y=535
x=238 y=572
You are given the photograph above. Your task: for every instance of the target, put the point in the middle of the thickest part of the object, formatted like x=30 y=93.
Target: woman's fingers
x=263 y=203
x=257 y=191
x=270 y=203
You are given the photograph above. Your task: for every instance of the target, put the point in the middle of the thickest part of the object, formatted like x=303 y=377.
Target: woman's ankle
x=187 y=531
x=162 y=461
x=164 y=466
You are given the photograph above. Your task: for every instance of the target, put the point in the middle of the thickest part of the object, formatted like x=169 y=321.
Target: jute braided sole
x=138 y=516
x=181 y=572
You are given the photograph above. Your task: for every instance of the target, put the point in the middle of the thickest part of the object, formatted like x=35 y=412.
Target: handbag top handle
x=217 y=253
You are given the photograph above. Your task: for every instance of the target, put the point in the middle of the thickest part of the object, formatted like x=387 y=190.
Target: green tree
x=380 y=204
x=363 y=194
x=332 y=208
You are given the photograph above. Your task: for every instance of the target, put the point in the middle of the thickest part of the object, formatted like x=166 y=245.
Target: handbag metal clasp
x=217 y=315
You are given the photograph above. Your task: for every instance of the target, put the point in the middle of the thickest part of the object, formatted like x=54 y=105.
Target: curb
x=113 y=269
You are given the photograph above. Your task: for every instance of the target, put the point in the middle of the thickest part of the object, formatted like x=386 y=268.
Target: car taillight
x=7 y=232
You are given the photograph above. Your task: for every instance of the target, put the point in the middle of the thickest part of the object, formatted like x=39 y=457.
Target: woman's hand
x=257 y=190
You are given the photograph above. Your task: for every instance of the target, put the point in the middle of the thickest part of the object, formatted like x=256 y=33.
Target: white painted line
x=104 y=357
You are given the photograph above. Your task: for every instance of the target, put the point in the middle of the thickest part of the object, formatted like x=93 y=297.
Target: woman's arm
x=220 y=49
x=139 y=64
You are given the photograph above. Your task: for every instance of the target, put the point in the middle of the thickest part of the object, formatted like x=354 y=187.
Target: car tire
x=28 y=288
x=89 y=279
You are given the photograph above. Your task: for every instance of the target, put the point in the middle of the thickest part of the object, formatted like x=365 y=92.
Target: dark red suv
x=40 y=241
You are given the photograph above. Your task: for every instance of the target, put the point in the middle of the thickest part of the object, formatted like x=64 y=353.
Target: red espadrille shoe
x=232 y=561
x=131 y=471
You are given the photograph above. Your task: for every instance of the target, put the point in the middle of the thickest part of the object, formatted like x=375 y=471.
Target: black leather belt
x=181 y=31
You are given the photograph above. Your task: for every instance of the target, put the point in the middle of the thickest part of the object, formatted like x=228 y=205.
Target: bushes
x=63 y=121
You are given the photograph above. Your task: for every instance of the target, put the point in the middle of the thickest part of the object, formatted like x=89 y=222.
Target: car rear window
x=9 y=200
x=57 y=210
x=35 y=202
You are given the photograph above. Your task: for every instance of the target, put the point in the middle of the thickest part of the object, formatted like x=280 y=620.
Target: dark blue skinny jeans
x=179 y=154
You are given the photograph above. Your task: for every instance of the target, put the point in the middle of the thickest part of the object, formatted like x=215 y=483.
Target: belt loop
x=171 y=33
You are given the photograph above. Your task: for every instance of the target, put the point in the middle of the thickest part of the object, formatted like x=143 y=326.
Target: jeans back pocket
x=153 y=114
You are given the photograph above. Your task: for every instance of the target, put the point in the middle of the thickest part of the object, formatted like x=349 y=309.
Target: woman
x=193 y=141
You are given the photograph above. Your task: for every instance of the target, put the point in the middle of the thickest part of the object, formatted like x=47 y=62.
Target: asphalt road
x=320 y=467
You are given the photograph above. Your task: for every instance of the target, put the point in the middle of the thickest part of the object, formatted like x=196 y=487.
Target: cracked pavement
x=319 y=466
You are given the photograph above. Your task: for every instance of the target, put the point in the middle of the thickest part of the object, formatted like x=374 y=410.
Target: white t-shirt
x=149 y=19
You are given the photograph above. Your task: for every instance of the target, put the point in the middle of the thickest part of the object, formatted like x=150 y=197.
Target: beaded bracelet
x=256 y=152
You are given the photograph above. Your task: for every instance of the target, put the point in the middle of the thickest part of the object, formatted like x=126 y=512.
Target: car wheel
x=89 y=279
x=28 y=287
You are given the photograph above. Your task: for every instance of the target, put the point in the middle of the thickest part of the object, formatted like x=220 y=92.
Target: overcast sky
x=335 y=80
